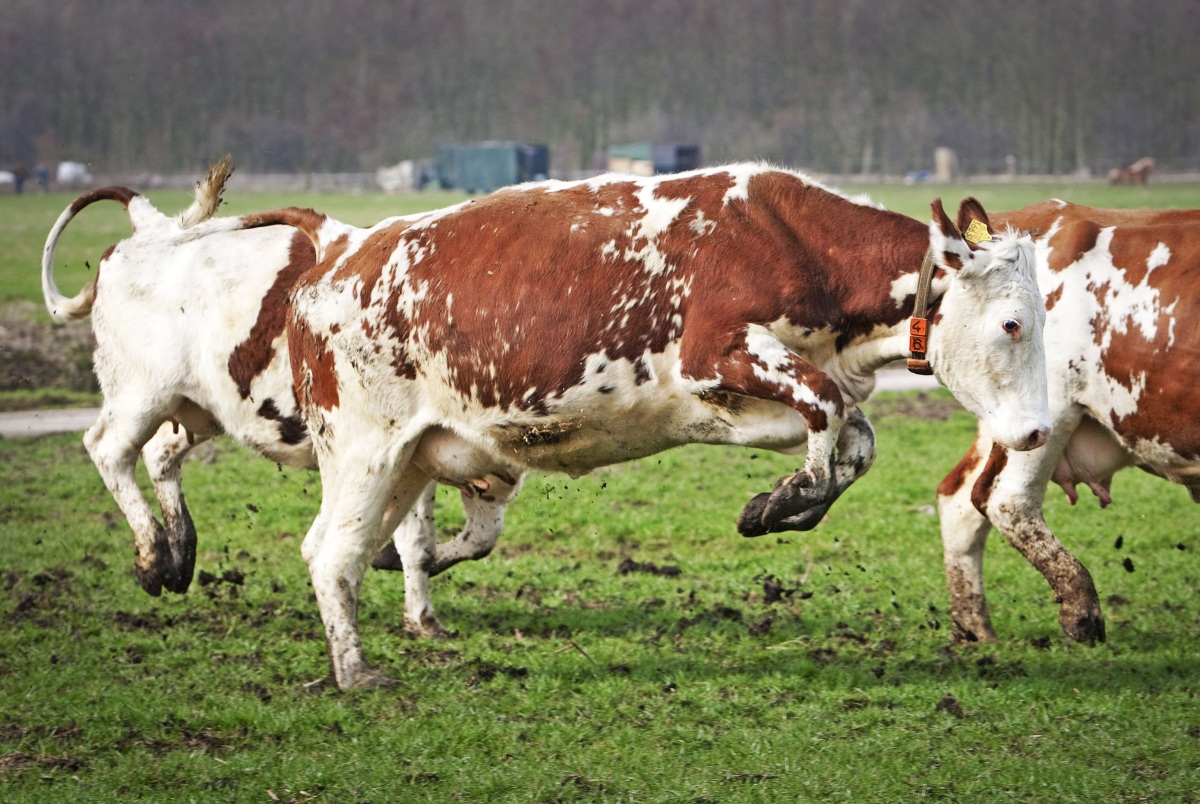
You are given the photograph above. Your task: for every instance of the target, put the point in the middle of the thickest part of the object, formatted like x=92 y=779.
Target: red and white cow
x=1123 y=302
x=190 y=343
x=566 y=326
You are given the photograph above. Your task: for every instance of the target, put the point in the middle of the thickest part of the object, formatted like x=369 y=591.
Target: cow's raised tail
x=141 y=213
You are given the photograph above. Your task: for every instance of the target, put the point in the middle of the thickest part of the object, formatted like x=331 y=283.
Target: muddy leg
x=964 y=537
x=1009 y=490
x=1079 y=611
x=113 y=443
x=164 y=455
x=357 y=489
x=854 y=456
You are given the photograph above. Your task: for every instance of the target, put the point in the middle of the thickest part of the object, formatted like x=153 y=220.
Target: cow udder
x=1092 y=457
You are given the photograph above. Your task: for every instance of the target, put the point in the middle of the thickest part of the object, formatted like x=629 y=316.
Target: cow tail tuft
x=209 y=194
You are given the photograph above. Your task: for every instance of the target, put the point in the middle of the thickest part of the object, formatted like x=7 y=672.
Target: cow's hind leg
x=358 y=488
x=854 y=456
x=485 y=522
x=113 y=443
x=163 y=456
x=417 y=525
x=414 y=546
x=418 y=553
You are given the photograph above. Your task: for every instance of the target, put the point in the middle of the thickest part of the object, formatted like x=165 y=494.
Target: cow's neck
x=882 y=266
x=855 y=366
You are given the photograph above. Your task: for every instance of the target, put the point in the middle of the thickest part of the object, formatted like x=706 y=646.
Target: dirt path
x=43 y=422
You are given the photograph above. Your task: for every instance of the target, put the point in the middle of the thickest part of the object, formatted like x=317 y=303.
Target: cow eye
x=1013 y=327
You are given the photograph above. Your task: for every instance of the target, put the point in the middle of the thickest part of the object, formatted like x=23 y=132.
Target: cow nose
x=1036 y=439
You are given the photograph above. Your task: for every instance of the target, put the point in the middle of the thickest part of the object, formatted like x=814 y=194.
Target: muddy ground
x=36 y=354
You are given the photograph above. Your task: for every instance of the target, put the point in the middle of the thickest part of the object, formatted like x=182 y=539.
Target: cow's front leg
x=1012 y=500
x=113 y=443
x=964 y=537
x=760 y=366
x=757 y=365
x=854 y=456
x=163 y=455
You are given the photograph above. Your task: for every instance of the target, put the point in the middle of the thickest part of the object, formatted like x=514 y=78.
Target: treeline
x=1050 y=86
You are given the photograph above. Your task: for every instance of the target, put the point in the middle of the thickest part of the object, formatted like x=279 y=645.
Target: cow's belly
x=579 y=438
x=618 y=413
x=267 y=420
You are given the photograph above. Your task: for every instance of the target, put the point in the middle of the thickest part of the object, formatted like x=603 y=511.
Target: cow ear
x=950 y=251
x=973 y=223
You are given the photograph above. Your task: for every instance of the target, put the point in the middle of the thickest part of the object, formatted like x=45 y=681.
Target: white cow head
x=986 y=347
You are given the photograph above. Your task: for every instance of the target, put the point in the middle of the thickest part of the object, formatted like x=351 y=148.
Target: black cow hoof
x=388 y=559
x=151 y=579
x=755 y=519
x=794 y=497
x=750 y=523
x=182 y=541
x=1086 y=625
x=803 y=521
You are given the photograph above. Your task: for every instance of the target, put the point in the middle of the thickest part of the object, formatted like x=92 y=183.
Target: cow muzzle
x=1031 y=439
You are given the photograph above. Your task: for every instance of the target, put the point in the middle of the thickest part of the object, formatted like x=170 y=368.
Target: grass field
x=810 y=667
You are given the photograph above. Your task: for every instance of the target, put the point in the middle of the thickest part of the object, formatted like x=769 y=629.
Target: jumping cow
x=190 y=344
x=563 y=326
x=1122 y=300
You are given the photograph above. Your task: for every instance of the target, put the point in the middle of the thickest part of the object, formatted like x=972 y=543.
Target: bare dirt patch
x=38 y=354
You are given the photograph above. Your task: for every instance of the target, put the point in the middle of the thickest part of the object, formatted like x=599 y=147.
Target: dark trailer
x=481 y=167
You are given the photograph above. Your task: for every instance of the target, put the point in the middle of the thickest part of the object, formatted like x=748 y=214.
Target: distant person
x=42 y=173
x=20 y=173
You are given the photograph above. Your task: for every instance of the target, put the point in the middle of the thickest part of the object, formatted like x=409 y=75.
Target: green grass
x=915 y=200
x=43 y=398
x=567 y=681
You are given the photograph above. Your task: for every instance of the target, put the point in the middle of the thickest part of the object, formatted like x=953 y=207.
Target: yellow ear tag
x=977 y=232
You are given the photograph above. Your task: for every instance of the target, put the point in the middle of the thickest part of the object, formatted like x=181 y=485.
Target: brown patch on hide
x=982 y=490
x=251 y=357
x=313 y=368
x=367 y=262
x=957 y=477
